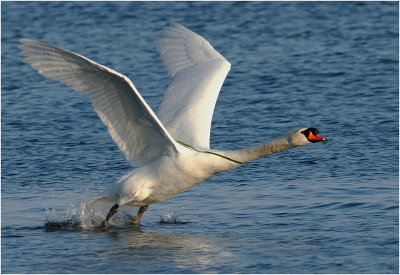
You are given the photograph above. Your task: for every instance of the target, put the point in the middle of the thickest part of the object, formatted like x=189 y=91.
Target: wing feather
x=198 y=72
x=130 y=121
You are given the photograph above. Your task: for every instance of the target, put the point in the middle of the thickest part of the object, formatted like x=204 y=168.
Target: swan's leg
x=111 y=213
x=139 y=215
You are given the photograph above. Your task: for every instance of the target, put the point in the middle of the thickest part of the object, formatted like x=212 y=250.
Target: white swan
x=171 y=149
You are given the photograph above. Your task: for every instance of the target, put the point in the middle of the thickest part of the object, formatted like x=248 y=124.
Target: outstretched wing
x=198 y=72
x=131 y=122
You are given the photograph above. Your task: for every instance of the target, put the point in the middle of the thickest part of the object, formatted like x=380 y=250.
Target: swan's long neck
x=255 y=152
x=218 y=161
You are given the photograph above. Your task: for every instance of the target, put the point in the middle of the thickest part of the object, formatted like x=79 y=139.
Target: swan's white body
x=171 y=149
x=166 y=177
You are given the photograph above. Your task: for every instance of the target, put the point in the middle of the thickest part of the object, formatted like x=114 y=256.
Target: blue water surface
x=323 y=208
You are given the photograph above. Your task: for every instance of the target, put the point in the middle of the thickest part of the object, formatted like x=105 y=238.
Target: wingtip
x=23 y=45
x=23 y=42
x=173 y=23
x=27 y=41
x=175 y=27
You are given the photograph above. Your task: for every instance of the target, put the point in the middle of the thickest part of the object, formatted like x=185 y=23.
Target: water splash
x=77 y=217
x=171 y=218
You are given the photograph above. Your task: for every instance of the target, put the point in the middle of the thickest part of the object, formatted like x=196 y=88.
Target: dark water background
x=325 y=208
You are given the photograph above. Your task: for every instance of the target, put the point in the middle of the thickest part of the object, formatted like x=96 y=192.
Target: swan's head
x=304 y=136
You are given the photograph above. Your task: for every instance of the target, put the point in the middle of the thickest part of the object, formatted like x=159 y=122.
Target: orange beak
x=316 y=138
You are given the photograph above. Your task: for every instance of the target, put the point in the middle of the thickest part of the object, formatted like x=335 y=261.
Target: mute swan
x=172 y=150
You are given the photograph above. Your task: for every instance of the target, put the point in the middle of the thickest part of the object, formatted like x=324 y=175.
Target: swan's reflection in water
x=185 y=252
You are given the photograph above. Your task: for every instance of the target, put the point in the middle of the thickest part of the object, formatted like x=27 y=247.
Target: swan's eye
x=314 y=131
x=312 y=135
